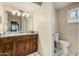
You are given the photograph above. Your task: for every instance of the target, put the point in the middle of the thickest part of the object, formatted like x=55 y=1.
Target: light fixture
x=18 y=13
x=13 y=12
x=23 y=14
x=27 y=15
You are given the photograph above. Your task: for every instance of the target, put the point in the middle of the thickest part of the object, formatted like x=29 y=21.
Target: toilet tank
x=56 y=41
x=56 y=37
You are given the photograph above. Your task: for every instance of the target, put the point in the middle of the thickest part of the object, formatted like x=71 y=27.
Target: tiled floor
x=58 y=53
x=62 y=53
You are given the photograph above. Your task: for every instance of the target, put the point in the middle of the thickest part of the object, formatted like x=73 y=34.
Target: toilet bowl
x=62 y=44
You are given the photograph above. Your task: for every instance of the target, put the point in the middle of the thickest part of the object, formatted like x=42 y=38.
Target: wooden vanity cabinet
x=19 y=45
x=1 y=49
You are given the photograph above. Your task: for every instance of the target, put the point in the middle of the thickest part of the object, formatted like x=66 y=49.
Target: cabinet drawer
x=8 y=39
x=35 y=36
x=18 y=38
x=24 y=37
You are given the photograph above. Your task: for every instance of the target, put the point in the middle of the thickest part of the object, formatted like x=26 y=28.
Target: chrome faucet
x=0 y=34
x=3 y=33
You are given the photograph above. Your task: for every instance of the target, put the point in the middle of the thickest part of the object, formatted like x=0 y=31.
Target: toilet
x=61 y=44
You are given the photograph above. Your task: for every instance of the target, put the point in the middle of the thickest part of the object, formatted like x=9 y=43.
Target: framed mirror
x=19 y=23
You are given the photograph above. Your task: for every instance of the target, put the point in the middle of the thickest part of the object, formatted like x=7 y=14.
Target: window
x=78 y=13
x=73 y=15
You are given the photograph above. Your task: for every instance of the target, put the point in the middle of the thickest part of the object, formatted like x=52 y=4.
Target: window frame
x=75 y=20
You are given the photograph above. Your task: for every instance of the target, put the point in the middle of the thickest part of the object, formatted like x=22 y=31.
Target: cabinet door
x=1 y=49
x=34 y=43
x=20 y=47
x=8 y=49
x=27 y=43
x=8 y=46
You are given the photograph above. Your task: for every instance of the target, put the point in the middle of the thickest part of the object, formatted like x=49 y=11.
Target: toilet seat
x=63 y=44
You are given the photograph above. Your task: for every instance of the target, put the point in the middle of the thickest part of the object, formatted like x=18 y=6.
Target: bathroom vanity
x=17 y=38
x=18 y=44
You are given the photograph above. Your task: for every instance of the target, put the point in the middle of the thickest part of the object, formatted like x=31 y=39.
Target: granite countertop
x=16 y=34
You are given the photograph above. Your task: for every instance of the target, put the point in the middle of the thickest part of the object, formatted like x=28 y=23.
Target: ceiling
x=32 y=6
x=38 y=3
x=24 y=6
x=60 y=5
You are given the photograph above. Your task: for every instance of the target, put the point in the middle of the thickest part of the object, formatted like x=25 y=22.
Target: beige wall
x=42 y=24
x=68 y=32
x=3 y=25
x=2 y=15
x=56 y=20
x=29 y=24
